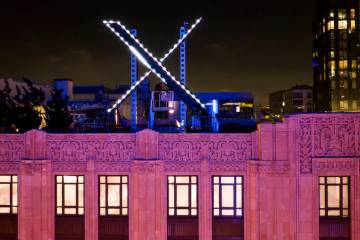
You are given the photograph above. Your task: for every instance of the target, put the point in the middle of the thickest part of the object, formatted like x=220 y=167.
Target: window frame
x=14 y=180
x=189 y=207
x=77 y=205
x=120 y=207
x=341 y=193
x=234 y=208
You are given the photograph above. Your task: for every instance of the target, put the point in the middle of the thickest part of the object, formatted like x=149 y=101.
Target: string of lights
x=143 y=60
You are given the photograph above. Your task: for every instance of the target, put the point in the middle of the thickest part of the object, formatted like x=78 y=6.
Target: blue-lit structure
x=133 y=79
x=211 y=111
x=182 y=59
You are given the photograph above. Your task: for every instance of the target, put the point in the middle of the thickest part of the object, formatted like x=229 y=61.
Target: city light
x=142 y=60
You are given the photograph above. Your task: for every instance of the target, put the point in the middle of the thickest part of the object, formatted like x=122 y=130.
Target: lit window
x=342 y=24
x=352 y=24
x=70 y=195
x=331 y=14
x=352 y=75
x=182 y=196
x=344 y=105
x=113 y=196
x=334 y=196
x=352 y=13
x=332 y=54
x=354 y=105
x=342 y=14
x=227 y=196
x=332 y=65
x=8 y=194
x=343 y=64
x=333 y=84
x=353 y=64
x=330 y=25
x=343 y=74
x=353 y=83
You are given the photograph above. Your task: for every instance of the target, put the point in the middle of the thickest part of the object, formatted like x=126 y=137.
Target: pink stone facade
x=281 y=164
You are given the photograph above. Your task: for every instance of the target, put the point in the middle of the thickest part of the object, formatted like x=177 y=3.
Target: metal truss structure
x=155 y=66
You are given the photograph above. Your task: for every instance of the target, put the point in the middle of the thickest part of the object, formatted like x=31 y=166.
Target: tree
x=28 y=99
x=58 y=117
x=7 y=106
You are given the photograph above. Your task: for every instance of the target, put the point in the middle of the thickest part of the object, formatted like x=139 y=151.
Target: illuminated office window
x=331 y=14
x=353 y=64
x=342 y=24
x=352 y=24
x=352 y=13
x=332 y=65
x=343 y=74
x=354 y=105
x=113 y=195
x=228 y=196
x=182 y=195
x=334 y=196
x=330 y=25
x=8 y=194
x=353 y=75
x=342 y=13
x=344 y=105
x=70 y=195
x=332 y=54
x=343 y=64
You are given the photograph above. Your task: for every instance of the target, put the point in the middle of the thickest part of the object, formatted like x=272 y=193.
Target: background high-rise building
x=336 y=55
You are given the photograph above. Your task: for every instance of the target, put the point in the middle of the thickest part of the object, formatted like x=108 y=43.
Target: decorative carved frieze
x=12 y=147
x=9 y=166
x=123 y=166
x=326 y=136
x=84 y=147
x=77 y=167
x=334 y=165
x=223 y=151
x=269 y=167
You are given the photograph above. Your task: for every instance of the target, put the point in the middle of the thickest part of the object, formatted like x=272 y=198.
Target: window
x=342 y=24
x=343 y=64
x=353 y=83
x=352 y=13
x=344 y=105
x=343 y=74
x=342 y=14
x=70 y=195
x=8 y=194
x=330 y=25
x=182 y=195
x=353 y=64
x=343 y=84
x=331 y=14
x=333 y=84
x=354 y=105
x=332 y=54
x=227 y=196
x=113 y=195
x=352 y=24
x=334 y=197
x=353 y=75
x=343 y=54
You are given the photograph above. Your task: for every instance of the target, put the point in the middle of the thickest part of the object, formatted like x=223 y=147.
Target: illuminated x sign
x=153 y=64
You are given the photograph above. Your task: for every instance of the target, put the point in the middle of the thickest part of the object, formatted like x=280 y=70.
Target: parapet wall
x=280 y=163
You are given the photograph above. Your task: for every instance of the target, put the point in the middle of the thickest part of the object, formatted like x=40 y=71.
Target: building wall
x=335 y=56
x=280 y=163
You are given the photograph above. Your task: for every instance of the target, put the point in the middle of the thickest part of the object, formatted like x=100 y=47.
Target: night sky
x=258 y=46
